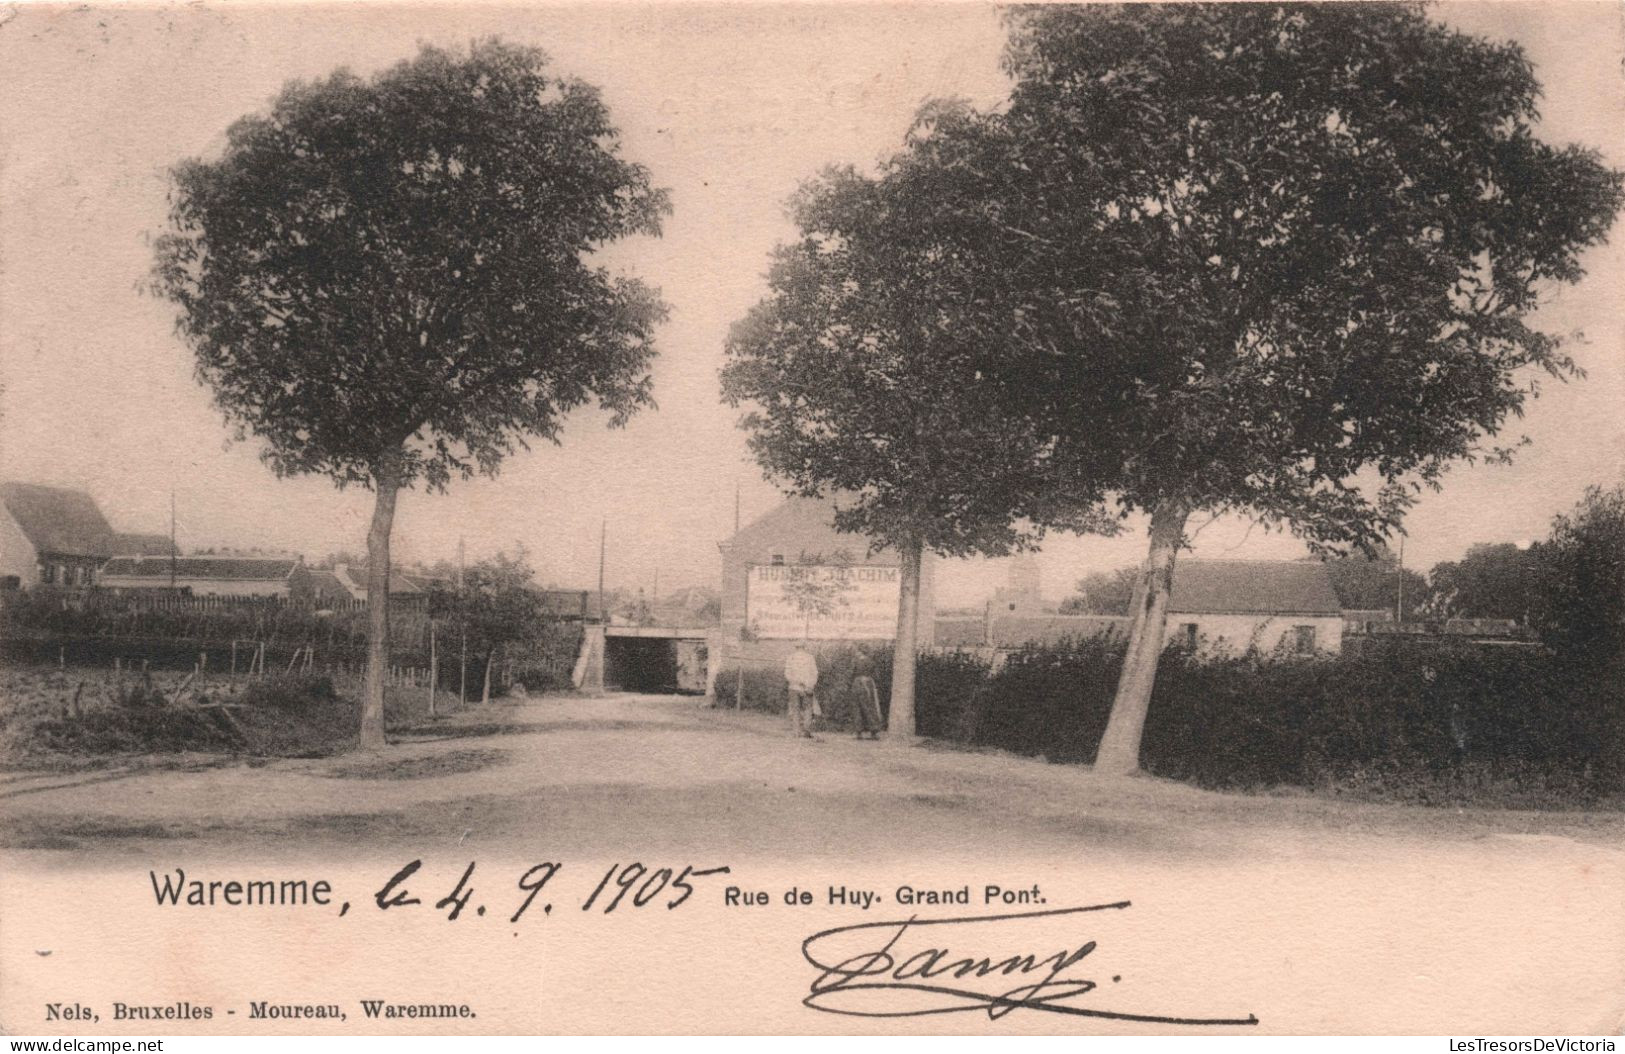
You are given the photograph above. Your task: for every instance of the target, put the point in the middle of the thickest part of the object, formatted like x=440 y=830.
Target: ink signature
x=906 y=969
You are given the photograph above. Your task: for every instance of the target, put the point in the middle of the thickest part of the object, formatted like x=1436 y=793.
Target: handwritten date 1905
x=633 y=883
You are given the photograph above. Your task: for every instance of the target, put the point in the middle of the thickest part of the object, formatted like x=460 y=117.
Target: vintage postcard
x=818 y=518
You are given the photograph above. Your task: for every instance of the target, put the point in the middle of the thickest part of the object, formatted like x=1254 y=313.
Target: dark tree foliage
x=389 y=280
x=1580 y=605
x=869 y=381
x=1491 y=581
x=498 y=607
x=1293 y=248
x=1374 y=581
x=1103 y=593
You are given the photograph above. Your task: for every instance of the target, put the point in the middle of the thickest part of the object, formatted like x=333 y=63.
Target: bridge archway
x=655 y=659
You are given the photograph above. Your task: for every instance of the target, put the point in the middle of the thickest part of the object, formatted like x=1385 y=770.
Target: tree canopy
x=1490 y=581
x=1293 y=248
x=390 y=280
x=1103 y=593
x=1580 y=604
x=400 y=268
x=1374 y=581
x=869 y=382
x=1302 y=242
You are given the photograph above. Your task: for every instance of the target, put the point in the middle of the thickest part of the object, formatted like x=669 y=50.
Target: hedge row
x=1428 y=722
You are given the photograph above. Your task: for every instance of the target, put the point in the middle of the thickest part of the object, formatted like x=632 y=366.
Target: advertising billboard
x=821 y=601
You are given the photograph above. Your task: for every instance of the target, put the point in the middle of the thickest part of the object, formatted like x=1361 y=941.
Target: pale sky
x=729 y=106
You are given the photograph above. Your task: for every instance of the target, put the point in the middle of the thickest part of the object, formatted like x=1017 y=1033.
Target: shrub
x=1399 y=720
x=534 y=676
x=838 y=665
x=763 y=689
x=130 y=731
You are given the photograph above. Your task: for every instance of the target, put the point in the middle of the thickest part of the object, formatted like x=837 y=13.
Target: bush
x=300 y=715
x=1397 y=720
x=293 y=716
x=838 y=665
x=533 y=676
x=130 y=731
x=763 y=689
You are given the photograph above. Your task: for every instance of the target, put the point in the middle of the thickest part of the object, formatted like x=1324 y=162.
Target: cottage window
x=1188 y=632
x=1303 y=640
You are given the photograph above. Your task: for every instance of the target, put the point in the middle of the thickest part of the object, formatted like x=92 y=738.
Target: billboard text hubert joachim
x=822 y=602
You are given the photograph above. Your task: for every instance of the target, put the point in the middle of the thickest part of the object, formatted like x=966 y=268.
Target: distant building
x=798 y=536
x=326 y=588
x=1023 y=595
x=1235 y=606
x=1367 y=620
x=1216 y=606
x=401 y=586
x=346 y=582
x=1010 y=631
x=238 y=576
x=143 y=545
x=51 y=536
x=795 y=549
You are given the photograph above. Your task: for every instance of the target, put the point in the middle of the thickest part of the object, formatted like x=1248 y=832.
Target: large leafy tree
x=498 y=607
x=1376 y=580
x=388 y=281
x=1579 y=604
x=1103 y=593
x=869 y=381
x=1490 y=581
x=1298 y=244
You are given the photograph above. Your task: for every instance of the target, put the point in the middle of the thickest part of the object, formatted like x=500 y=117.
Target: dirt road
x=1317 y=915
x=596 y=774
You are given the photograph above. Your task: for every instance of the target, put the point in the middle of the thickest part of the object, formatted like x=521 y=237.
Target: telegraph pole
x=603 y=542
x=174 y=549
x=1399 y=612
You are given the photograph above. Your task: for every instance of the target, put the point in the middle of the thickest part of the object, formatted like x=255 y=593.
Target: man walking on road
x=801 y=677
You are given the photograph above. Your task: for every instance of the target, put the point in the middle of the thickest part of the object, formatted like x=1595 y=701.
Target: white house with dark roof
x=1267 y=606
x=238 y=576
x=51 y=536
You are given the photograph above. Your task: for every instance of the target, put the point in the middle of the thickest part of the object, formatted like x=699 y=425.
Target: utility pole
x=1399 y=611
x=174 y=550
x=603 y=542
x=736 y=506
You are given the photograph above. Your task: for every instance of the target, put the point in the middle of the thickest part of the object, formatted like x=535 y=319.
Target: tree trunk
x=1119 y=753
x=900 y=722
x=485 y=696
x=387 y=486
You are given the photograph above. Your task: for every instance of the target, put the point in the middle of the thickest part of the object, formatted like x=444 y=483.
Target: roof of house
x=1252 y=587
x=355 y=579
x=58 y=520
x=142 y=545
x=800 y=527
x=325 y=582
x=234 y=568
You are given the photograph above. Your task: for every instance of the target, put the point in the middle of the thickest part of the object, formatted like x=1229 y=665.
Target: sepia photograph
x=741 y=518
